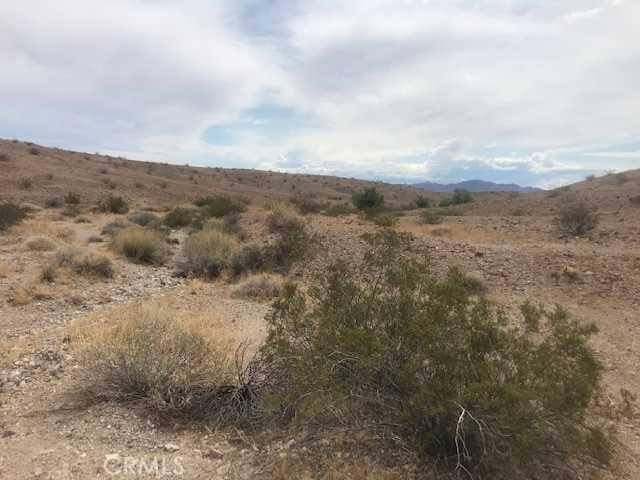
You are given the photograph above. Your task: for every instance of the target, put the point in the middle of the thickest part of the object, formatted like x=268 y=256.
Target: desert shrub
x=385 y=220
x=85 y=263
x=339 y=209
x=219 y=205
x=72 y=198
x=49 y=273
x=590 y=178
x=431 y=217
x=306 y=205
x=4 y=157
x=368 y=199
x=386 y=346
x=53 y=202
x=141 y=245
x=460 y=196
x=34 y=151
x=207 y=253
x=71 y=211
x=621 y=178
x=259 y=287
x=25 y=184
x=41 y=244
x=82 y=219
x=172 y=363
x=113 y=204
x=423 y=202
x=180 y=217
x=10 y=214
x=230 y=223
x=576 y=218
x=143 y=218
x=635 y=200
x=291 y=244
x=249 y=258
x=112 y=228
x=95 y=239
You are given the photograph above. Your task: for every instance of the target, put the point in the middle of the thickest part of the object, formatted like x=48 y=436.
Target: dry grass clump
x=431 y=217
x=21 y=296
x=207 y=253
x=176 y=363
x=4 y=270
x=85 y=263
x=41 y=244
x=259 y=287
x=141 y=245
x=113 y=204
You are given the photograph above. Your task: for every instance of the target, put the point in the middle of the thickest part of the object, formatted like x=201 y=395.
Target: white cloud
x=392 y=89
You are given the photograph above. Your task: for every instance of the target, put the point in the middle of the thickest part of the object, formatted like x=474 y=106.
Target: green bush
x=141 y=245
x=72 y=198
x=306 y=205
x=339 y=209
x=180 y=217
x=10 y=214
x=576 y=218
x=423 y=202
x=207 y=253
x=113 y=204
x=53 y=202
x=250 y=258
x=460 y=196
x=368 y=199
x=219 y=205
x=431 y=217
x=386 y=346
x=291 y=244
x=143 y=218
x=385 y=220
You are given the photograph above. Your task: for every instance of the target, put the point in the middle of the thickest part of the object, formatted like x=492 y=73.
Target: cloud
x=533 y=91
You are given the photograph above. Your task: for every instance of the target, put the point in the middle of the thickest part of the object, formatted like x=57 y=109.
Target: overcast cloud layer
x=536 y=92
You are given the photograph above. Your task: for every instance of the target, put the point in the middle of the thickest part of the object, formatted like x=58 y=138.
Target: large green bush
x=219 y=205
x=576 y=218
x=368 y=199
x=10 y=214
x=386 y=346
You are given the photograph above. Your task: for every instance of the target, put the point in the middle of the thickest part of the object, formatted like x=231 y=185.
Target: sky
x=538 y=93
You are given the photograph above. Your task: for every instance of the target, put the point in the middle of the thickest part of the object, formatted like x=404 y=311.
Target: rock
x=171 y=447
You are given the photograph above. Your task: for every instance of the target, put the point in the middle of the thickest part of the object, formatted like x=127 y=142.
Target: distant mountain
x=475 y=186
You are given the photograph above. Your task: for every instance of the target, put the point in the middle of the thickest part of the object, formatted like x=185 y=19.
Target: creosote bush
x=431 y=217
x=460 y=196
x=576 y=218
x=113 y=204
x=423 y=202
x=219 y=205
x=143 y=218
x=292 y=242
x=141 y=245
x=387 y=346
x=180 y=217
x=207 y=253
x=368 y=199
x=10 y=214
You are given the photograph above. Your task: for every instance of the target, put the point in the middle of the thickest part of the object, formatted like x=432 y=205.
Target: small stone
x=171 y=447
